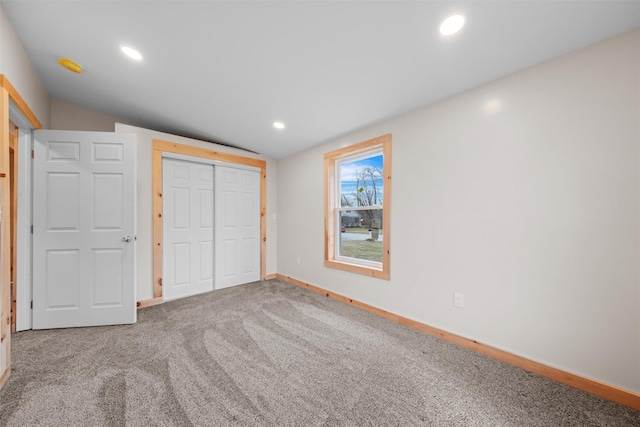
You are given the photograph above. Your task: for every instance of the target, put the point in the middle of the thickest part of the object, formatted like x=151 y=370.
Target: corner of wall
x=20 y=71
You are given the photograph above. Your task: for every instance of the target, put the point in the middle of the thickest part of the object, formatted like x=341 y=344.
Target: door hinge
x=32 y=154
x=31 y=305
x=32 y=229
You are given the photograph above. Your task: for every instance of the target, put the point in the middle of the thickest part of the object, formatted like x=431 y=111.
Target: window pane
x=361 y=235
x=361 y=182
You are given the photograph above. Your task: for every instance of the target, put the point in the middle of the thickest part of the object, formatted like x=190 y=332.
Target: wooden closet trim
x=160 y=146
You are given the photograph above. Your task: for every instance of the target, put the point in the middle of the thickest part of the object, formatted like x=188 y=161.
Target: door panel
x=206 y=208
x=108 y=199
x=61 y=274
x=63 y=201
x=84 y=201
x=248 y=256
x=187 y=228
x=206 y=260
x=108 y=278
x=181 y=259
x=237 y=226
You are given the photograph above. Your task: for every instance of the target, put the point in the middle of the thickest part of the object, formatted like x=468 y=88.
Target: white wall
x=144 y=207
x=523 y=195
x=67 y=116
x=17 y=67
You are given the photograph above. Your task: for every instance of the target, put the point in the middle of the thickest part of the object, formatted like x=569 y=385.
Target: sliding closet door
x=187 y=228
x=237 y=227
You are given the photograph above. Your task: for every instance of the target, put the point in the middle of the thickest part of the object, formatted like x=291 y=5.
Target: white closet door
x=187 y=228
x=237 y=226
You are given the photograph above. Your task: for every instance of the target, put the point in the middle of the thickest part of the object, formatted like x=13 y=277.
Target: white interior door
x=187 y=228
x=237 y=228
x=83 y=229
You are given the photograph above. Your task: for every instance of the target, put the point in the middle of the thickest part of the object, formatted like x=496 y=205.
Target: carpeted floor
x=270 y=353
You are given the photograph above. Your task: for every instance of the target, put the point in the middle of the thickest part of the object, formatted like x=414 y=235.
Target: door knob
x=127 y=239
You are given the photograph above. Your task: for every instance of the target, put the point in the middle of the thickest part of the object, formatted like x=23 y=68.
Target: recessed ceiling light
x=278 y=125
x=131 y=53
x=451 y=25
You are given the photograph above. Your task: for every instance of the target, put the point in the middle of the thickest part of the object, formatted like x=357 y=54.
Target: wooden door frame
x=160 y=146
x=8 y=93
x=13 y=183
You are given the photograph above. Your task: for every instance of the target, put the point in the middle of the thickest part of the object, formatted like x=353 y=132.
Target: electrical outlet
x=458 y=300
x=298 y=261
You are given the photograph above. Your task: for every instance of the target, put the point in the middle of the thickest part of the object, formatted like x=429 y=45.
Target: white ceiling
x=225 y=71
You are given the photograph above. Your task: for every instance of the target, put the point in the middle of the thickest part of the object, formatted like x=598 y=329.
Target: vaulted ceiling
x=225 y=71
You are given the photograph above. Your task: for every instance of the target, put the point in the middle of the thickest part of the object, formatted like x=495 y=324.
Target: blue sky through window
x=350 y=187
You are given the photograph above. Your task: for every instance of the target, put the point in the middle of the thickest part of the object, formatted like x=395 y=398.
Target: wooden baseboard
x=5 y=376
x=606 y=391
x=158 y=300
x=149 y=302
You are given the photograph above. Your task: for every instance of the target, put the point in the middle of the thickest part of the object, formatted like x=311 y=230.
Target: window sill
x=358 y=269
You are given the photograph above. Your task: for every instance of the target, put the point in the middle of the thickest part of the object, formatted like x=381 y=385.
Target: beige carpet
x=270 y=353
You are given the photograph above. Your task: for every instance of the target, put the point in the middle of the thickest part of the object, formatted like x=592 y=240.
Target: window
x=357 y=207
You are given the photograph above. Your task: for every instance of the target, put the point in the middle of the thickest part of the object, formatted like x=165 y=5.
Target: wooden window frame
x=159 y=147
x=330 y=159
